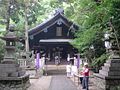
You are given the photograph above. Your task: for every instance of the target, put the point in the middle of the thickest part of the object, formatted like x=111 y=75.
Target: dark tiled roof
x=50 y=21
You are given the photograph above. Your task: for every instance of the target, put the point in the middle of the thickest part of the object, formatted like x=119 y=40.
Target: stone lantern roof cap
x=10 y=35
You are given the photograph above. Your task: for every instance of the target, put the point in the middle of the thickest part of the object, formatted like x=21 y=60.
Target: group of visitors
x=71 y=67
x=84 y=74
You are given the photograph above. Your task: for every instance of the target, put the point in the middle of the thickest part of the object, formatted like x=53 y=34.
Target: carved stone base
x=108 y=77
x=12 y=77
x=11 y=70
x=14 y=83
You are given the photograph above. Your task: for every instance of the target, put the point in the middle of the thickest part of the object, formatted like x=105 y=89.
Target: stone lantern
x=10 y=39
x=108 y=77
x=12 y=77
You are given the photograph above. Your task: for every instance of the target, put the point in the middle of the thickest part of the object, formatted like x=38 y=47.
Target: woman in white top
x=68 y=70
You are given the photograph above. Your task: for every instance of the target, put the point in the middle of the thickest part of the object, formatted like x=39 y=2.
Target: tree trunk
x=7 y=15
x=26 y=26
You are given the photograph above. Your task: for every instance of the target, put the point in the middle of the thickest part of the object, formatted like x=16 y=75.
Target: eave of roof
x=55 y=40
x=46 y=23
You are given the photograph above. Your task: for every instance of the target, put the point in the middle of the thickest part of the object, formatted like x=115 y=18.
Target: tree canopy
x=92 y=16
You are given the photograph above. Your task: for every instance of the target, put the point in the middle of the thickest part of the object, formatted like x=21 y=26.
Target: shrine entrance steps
x=56 y=69
x=52 y=69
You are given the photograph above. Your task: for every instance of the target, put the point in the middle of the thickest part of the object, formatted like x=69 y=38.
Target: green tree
x=92 y=18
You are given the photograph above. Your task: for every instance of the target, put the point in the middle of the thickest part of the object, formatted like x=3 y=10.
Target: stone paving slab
x=61 y=82
x=42 y=83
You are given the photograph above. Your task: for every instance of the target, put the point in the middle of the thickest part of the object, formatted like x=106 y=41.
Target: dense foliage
x=92 y=16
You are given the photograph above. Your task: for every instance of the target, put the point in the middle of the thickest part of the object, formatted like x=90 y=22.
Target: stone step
x=3 y=74
x=112 y=65
x=56 y=72
x=113 y=61
x=115 y=57
x=114 y=73
x=105 y=68
x=8 y=65
x=109 y=73
x=8 y=70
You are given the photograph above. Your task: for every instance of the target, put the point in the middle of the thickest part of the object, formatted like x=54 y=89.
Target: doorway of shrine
x=58 y=53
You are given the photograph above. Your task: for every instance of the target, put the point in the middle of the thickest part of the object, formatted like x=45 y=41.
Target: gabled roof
x=49 y=22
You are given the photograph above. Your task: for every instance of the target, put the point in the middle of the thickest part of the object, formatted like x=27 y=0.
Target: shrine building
x=53 y=36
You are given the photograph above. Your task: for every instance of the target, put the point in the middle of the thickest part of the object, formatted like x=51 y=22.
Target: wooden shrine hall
x=53 y=36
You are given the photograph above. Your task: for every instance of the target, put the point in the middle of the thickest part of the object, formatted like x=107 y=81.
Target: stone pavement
x=61 y=82
x=42 y=83
x=58 y=82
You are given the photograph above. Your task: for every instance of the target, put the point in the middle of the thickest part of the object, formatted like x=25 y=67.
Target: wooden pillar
x=49 y=53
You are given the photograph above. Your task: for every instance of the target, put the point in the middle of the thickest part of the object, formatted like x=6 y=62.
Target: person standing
x=68 y=58
x=85 y=74
x=68 y=70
